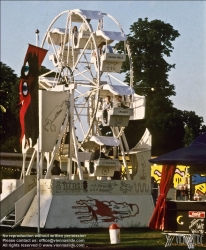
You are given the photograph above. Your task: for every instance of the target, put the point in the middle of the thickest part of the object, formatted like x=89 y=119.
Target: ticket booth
x=185 y=215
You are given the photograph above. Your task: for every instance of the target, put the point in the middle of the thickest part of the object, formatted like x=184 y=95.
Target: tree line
x=150 y=43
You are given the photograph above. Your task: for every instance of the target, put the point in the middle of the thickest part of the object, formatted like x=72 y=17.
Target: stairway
x=8 y=220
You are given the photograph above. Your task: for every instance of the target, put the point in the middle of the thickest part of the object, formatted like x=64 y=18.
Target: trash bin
x=114 y=232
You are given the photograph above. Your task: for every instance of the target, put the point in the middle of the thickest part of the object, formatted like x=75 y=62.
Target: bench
x=188 y=238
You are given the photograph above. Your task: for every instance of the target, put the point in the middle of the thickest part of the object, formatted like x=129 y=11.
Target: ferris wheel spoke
x=110 y=75
x=82 y=108
x=89 y=66
x=85 y=95
x=77 y=73
x=81 y=126
x=80 y=56
x=87 y=78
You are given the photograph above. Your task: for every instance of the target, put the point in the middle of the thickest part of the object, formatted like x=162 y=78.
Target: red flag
x=28 y=90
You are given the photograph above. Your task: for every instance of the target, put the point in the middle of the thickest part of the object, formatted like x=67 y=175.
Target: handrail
x=22 y=205
x=8 y=202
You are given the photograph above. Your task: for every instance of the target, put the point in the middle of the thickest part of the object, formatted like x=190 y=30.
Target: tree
x=44 y=70
x=10 y=126
x=193 y=126
x=150 y=42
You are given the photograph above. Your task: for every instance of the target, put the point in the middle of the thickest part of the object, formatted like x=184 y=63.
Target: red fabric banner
x=157 y=220
x=28 y=90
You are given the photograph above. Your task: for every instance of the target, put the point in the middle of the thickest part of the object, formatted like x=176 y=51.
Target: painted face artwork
x=28 y=90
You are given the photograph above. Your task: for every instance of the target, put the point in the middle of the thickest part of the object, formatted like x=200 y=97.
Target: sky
x=20 y=19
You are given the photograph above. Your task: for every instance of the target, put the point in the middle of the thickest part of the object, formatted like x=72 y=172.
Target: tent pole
x=37 y=161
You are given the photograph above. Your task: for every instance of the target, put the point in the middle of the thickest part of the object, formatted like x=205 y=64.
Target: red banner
x=28 y=90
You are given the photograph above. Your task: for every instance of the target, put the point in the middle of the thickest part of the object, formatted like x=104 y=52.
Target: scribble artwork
x=200 y=183
x=105 y=171
x=125 y=188
x=197 y=226
x=111 y=66
x=143 y=174
x=102 y=186
x=68 y=186
x=141 y=187
x=58 y=187
x=180 y=172
x=95 y=211
x=199 y=180
x=49 y=124
x=118 y=121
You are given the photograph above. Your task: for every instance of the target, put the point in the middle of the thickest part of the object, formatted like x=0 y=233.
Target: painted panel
x=143 y=178
x=53 y=106
x=182 y=172
x=99 y=211
x=7 y=204
x=100 y=187
x=22 y=205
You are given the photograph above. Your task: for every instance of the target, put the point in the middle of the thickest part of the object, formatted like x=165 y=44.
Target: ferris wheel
x=78 y=65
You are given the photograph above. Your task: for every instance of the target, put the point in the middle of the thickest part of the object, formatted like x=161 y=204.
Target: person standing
x=84 y=26
x=75 y=34
x=118 y=101
x=106 y=106
x=56 y=170
x=107 y=48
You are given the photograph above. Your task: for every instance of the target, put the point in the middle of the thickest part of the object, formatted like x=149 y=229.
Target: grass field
x=133 y=238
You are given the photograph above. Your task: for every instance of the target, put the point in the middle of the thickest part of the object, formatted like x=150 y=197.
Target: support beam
x=31 y=163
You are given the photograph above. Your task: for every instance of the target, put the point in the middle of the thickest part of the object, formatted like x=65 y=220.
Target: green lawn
x=132 y=238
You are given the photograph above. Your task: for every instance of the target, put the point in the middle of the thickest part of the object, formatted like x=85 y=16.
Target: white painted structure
x=70 y=128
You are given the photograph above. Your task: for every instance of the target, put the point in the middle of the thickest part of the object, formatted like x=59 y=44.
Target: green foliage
x=150 y=44
x=10 y=125
x=193 y=126
x=44 y=70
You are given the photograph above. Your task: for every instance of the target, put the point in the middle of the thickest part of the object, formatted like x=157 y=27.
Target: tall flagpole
x=38 y=160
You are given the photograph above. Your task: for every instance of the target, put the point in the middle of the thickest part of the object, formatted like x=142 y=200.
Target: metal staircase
x=9 y=220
